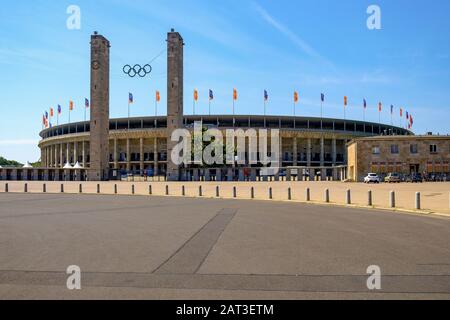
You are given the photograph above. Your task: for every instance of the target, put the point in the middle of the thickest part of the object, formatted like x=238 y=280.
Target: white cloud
x=23 y=142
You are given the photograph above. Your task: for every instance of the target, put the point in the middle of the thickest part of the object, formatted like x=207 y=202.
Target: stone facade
x=400 y=154
x=174 y=96
x=99 y=108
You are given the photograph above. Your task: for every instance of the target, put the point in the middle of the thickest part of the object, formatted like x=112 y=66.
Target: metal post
x=270 y=193
x=25 y=187
x=234 y=192
x=392 y=199
x=327 y=195
x=200 y=191
x=44 y=188
x=115 y=189
x=289 y=194
x=80 y=189
x=418 y=204
x=98 y=188
x=150 y=191
x=369 y=198
x=217 y=191
x=167 y=190
x=349 y=197
x=252 y=193
x=62 y=188
x=6 y=188
x=133 y=189
x=183 y=190
x=308 y=194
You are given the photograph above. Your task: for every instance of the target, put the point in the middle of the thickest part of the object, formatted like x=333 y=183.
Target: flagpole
x=209 y=106
x=193 y=106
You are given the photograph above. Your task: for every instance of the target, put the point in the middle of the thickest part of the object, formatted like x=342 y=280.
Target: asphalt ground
x=140 y=247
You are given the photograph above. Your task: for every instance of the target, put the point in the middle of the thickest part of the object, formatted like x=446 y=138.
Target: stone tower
x=174 y=96
x=99 y=127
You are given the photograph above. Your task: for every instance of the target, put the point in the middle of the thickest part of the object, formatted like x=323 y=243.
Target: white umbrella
x=68 y=166
x=27 y=165
x=77 y=166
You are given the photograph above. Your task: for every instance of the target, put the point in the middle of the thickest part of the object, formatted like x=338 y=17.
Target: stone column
x=128 y=155
x=334 y=151
x=61 y=158
x=68 y=152
x=322 y=152
x=115 y=155
x=75 y=152
x=155 y=156
x=83 y=152
x=141 y=150
x=295 y=143
x=308 y=152
x=55 y=161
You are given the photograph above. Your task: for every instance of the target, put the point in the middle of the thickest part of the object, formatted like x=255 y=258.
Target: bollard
x=115 y=189
x=369 y=198
x=62 y=188
x=167 y=190
x=44 y=188
x=183 y=191
x=6 y=188
x=234 y=192
x=308 y=194
x=289 y=194
x=392 y=199
x=270 y=193
x=150 y=191
x=133 y=190
x=349 y=197
x=217 y=191
x=327 y=195
x=418 y=205
x=25 y=188
x=98 y=188
x=252 y=193
x=200 y=191
x=80 y=189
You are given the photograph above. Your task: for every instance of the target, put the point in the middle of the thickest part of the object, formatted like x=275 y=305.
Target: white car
x=372 y=178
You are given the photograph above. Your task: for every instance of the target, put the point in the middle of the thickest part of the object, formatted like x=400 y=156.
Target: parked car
x=372 y=178
x=415 y=178
x=393 y=178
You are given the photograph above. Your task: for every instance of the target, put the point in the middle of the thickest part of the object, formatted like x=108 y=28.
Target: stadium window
x=414 y=149
x=433 y=148
x=376 y=150
x=394 y=149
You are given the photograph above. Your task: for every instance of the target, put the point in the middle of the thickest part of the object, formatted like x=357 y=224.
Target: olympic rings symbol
x=137 y=70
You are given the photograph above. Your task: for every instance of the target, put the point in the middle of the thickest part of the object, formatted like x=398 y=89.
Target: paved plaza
x=136 y=247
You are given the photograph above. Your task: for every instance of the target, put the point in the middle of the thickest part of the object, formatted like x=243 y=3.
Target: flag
x=211 y=95
x=295 y=96
x=380 y=107
x=59 y=109
x=407 y=115
x=158 y=96
x=401 y=112
x=392 y=109
x=71 y=105
x=46 y=115
x=266 y=95
x=43 y=119
x=195 y=95
x=365 y=104
x=86 y=103
x=322 y=97
x=130 y=98
x=411 y=120
x=235 y=95
x=345 y=101
x=51 y=112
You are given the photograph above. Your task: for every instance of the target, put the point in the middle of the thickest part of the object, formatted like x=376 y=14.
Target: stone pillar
x=295 y=146
x=155 y=157
x=128 y=155
x=61 y=156
x=308 y=152
x=322 y=152
x=115 y=155
x=99 y=126
x=55 y=161
x=67 y=152
x=75 y=152
x=174 y=97
x=141 y=150
x=83 y=153
x=230 y=174
x=333 y=151
x=219 y=174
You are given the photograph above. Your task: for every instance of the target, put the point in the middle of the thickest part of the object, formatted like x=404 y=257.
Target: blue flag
x=130 y=98
x=211 y=95
x=365 y=104
x=322 y=97
x=266 y=95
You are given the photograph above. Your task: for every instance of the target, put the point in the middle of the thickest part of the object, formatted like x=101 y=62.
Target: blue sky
x=309 y=46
